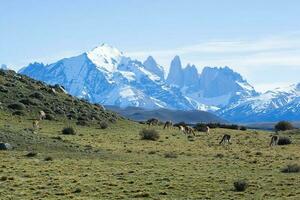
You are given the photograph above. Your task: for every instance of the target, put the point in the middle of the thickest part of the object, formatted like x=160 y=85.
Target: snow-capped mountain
x=3 y=66
x=215 y=87
x=279 y=104
x=151 y=65
x=104 y=75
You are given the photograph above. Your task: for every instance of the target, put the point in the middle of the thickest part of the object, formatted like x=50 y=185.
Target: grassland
x=115 y=164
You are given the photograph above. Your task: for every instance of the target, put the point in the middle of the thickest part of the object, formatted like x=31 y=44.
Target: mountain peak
x=151 y=65
x=3 y=66
x=175 y=76
x=105 y=57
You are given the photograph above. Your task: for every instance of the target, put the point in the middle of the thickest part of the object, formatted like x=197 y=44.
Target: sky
x=259 y=39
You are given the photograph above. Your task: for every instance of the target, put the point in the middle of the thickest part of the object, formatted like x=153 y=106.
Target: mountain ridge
x=105 y=75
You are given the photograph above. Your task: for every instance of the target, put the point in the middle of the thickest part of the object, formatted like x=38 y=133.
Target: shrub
x=283 y=126
x=3 y=89
x=170 y=155
x=243 y=128
x=149 y=134
x=81 y=123
x=112 y=120
x=180 y=124
x=31 y=154
x=17 y=106
x=284 y=141
x=103 y=125
x=50 y=116
x=48 y=158
x=68 y=131
x=200 y=127
x=294 y=168
x=219 y=155
x=30 y=101
x=240 y=185
x=19 y=113
x=37 y=95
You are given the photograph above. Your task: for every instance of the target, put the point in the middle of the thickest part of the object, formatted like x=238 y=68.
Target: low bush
x=283 y=126
x=81 y=123
x=37 y=95
x=28 y=101
x=240 y=185
x=50 y=117
x=19 y=113
x=149 y=134
x=68 y=131
x=200 y=127
x=3 y=89
x=31 y=154
x=103 y=125
x=48 y=158
x=180 y=124
x=243 y=128
x=17 y=106
x=294 y=168
x=284 y=141
x=170 y=155
x=218 y=125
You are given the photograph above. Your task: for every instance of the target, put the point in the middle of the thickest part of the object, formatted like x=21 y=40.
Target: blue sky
x=259 y=39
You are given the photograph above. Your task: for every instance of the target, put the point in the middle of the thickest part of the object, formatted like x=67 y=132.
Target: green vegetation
x=149 y=134
x=294 y=168
x=240 y=185
x=283 y=126
x=114 y=163
x=68 y=131
x=283 y=140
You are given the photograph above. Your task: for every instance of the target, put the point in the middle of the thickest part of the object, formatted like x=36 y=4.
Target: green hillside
x=112 y=162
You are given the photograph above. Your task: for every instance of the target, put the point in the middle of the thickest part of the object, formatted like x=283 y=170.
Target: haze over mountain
x=105 y=75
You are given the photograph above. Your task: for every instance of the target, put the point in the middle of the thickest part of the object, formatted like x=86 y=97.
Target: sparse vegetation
x=240 y=185
x=294 y=168
x=284 y=141
x=31 y=154
x=103 y=125
x=69 y=131
x=16 y=106
x=118 y=165
x=149 y=134
x=171 y=155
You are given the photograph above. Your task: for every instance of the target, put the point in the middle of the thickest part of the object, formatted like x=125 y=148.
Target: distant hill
x=192 y=117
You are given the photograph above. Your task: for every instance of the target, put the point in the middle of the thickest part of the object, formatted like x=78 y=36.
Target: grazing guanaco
x=35 y=124
x=226 y=139
x=168 y=124
x=274 y=140
x=42 y=115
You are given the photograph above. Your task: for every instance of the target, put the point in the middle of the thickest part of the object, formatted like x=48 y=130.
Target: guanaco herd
x=187 y=130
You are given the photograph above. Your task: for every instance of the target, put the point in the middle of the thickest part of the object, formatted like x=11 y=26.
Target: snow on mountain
x=215 y=87
x=151 y=65
x=190 y=75
x=104 y=75
x=105 y=57
x=279 y=104
x=3 y=66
